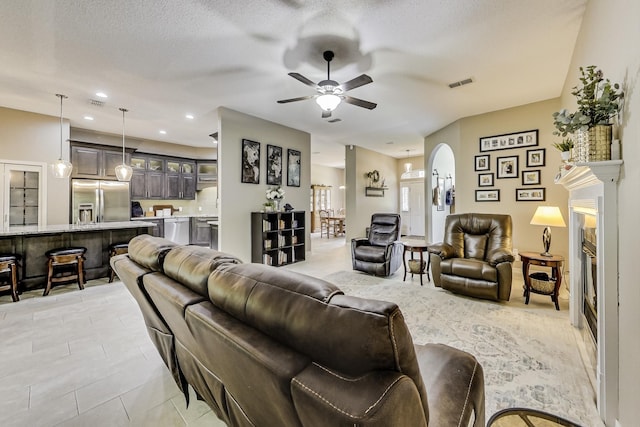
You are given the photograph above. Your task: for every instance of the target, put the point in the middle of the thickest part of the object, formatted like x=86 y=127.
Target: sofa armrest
x=359 y=241
x=498 y=256
x=443 y=250
x=454 y=381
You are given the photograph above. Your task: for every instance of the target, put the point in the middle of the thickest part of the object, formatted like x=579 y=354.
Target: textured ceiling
x=162 y=59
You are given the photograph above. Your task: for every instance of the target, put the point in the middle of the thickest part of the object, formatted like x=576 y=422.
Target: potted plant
x=565 y=148
x=374 y=177
x=598 y=101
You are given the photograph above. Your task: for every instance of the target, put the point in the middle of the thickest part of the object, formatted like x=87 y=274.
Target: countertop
x=71 y=228
x=198 y=215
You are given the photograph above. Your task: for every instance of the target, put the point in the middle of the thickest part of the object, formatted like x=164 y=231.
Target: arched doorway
x=440 y=183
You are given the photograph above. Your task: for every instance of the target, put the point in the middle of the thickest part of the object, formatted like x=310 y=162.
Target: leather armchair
x=475 y=258
x=381 y=252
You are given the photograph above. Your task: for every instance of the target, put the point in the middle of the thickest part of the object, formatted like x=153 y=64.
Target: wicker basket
x=540 y=282
x=415 y=267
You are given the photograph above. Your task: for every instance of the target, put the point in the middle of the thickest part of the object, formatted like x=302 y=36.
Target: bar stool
x=68 y=263
x=116 y=249
x=9 y=265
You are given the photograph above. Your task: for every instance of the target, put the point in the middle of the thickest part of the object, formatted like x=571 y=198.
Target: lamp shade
x=549 y=216
x=124 y=172
x=328 y=102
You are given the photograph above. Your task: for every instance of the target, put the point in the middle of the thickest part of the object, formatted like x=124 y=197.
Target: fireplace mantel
x=593 y=190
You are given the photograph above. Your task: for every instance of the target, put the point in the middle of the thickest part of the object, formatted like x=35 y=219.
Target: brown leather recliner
x=475 y=258
x=380 y=253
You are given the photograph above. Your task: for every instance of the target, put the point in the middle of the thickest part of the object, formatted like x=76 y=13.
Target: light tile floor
x=83 y=358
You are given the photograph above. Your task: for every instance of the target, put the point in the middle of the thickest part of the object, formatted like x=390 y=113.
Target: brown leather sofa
x=475 y=258
x=381 y=252
x=269 y=347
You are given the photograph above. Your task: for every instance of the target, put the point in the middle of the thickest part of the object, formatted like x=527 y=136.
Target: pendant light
x=61 y=168
x=123 y=171
x=408 y=166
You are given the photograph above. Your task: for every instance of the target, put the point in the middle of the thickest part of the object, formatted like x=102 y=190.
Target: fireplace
x=593 y=273
x=589 y=275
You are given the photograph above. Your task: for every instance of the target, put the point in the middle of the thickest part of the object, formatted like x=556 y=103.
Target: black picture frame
x=488 y=195
x=250 y=162
x=536 y=158
x=507 y=141
x=507 y=167
x=531 y=177
x=485 y=179
x=293 y=167
x=537 y=194
x=482 y=163
x=274 y=165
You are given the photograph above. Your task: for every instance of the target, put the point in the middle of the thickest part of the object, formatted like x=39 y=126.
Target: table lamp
x=549 y=216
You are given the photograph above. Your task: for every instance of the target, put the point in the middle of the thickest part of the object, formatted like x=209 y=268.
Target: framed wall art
x=293 y=168
x=482 y=163
x=487 y=195
x=485 y=179
x=531 y=177
x=250 y=162
x=274 y=165
x=536 y=158
x=530 y=194
x=507 y=167
x=507 y=141
x=439 y=199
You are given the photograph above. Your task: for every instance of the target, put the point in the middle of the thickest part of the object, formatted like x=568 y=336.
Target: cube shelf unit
x=277 y=238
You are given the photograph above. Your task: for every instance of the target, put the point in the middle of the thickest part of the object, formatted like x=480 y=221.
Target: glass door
x=21 y=192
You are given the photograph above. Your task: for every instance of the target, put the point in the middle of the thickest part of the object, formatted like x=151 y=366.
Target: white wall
x=608 y=39
x=238 y=200
x=35 y=137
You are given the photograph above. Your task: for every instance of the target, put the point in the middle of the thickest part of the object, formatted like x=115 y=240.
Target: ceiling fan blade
x=357 y=82
x=301 y=98
x=326 y=114
x=360 y=102
x=303 y=79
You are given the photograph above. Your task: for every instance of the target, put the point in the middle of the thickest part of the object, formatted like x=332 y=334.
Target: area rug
x=530 y=357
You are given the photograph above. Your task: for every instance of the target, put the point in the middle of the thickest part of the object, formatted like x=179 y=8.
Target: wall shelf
x=375 y=191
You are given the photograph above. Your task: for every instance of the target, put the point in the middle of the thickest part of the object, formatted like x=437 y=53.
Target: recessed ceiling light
x=101 y=95
x=163 y=132
x=189 y=116
x=88 y=118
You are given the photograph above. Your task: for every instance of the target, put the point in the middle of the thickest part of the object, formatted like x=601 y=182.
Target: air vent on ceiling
x=96 y=102
x=334 y=120
x=460 y=83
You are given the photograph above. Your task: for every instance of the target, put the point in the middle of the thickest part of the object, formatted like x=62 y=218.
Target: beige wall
x=608 y=39
x=463 y=138
x=32 y=137
x=334 y=177
x=238 y=200
x=359 y=207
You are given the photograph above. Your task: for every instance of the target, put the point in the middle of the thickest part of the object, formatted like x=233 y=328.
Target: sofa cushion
x=149 y=251
x=470 y=268
x=192 y=265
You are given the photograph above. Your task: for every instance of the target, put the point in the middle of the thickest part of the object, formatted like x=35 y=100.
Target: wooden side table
x=554 y=262
x=420 y=247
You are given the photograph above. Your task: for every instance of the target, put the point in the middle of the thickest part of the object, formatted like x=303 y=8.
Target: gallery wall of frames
x=510 y=156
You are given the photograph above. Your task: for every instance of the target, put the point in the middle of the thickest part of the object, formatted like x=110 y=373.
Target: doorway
x=440 y=187
x=412 y=207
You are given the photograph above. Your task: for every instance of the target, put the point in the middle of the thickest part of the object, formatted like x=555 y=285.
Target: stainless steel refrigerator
x=99 y=201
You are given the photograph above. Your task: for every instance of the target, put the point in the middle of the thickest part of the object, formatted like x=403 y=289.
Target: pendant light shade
x=123 y=171
x=61 y=168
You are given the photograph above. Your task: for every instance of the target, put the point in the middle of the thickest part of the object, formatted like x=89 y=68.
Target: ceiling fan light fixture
x=328 y=101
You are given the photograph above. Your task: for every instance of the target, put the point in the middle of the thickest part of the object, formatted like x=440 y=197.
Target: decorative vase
x=600 y=143
x=565 y=156
x=276 y=202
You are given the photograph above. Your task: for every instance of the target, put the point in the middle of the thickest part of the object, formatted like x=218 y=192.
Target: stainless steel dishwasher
x=176 y=229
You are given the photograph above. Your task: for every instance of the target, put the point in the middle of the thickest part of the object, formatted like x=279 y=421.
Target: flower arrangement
x=598 y=99
x=275 y=193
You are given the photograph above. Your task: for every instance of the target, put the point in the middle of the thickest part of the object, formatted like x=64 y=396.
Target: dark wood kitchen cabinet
x=200 y=231
x=180 y=180
x=91 y=162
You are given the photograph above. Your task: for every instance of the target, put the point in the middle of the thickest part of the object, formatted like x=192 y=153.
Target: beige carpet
x=529 y=353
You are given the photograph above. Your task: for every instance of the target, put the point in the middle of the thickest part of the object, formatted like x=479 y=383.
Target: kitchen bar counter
x=32 y=242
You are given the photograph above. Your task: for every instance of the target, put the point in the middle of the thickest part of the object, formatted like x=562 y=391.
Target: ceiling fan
x=331 y=93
